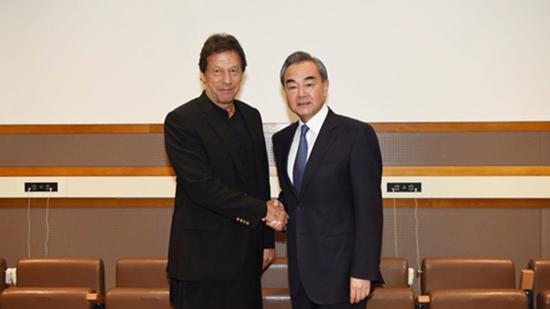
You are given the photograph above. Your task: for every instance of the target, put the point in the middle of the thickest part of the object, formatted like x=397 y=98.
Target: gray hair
x=301 y=56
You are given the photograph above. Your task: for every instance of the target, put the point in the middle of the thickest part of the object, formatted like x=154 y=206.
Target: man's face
x=223 y=76
x=305 y=90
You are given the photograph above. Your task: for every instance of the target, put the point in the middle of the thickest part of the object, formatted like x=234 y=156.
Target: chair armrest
x=527 y=279
x=94 y=298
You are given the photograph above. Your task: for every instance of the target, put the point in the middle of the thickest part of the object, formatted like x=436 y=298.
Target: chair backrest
x=541 y=267
x=395 y=272
x=141 y=273
x=478 y=298
x=62 y=272
x=49 y=298
x=3 y=267
x=466 y=273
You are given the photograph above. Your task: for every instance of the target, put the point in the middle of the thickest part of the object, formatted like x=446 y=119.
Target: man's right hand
x=276 y=216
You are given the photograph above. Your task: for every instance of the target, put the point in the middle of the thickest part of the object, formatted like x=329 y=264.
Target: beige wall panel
x=545 y=233
x=107 y=233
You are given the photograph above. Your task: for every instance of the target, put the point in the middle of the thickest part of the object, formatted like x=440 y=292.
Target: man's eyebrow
x=294 y=81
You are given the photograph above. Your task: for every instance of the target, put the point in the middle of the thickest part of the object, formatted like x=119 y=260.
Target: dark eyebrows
x=288 y=81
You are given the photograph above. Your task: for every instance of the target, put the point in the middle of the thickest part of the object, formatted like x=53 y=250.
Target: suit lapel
x=322 y=143
x=223 y=130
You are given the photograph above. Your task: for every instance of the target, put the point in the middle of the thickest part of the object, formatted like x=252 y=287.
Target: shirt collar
x=316 y=122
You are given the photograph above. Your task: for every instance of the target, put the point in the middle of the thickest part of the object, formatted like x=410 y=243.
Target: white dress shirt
x=314 y=125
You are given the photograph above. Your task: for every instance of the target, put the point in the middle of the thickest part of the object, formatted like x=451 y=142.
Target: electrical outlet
x=404 y=187
x=40 y=186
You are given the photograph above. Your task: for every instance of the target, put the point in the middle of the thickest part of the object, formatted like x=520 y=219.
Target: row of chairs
x=78 y=283
x=445 y=283
x=141 y=283
x=395 y=293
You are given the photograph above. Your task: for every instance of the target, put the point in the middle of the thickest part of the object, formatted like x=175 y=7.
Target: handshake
x=276 y=216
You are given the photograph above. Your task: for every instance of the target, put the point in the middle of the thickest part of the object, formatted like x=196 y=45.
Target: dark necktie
x=301 y=159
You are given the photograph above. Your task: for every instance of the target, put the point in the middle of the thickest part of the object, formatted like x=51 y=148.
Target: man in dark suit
x=216 y=146
x=329 y=169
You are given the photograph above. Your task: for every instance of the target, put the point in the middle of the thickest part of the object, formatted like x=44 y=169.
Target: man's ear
x=325 y=87
x=202 y=77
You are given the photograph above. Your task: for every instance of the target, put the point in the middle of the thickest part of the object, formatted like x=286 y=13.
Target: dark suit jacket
x=335 y=225
x=216 y=209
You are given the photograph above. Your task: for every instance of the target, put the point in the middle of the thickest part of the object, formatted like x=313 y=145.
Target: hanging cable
x=395 y=241
x=416 y=228
x=47 y=219
x=29 y=223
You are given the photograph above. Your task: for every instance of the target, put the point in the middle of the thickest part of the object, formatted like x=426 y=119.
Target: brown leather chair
x=395 y=272
x=140 y=283
x=471 y=283
x=3 y=267
x=87 y=273
x=56 y=283
x=541 y=282
x=395 y=293
x=466 y=273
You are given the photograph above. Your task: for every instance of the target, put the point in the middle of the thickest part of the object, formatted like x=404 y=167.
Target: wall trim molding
x=501 y=126
x=168 y=171
x=81 y=128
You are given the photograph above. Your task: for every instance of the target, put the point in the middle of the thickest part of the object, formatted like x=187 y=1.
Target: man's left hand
x=359 y=289
x=269 y=257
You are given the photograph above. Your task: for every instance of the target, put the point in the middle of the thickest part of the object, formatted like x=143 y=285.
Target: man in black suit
x=329 y=169
x=216 y=146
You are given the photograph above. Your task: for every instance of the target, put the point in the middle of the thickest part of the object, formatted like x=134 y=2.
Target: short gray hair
x=301 y=56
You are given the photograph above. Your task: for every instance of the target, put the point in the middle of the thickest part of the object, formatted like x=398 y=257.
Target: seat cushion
x=478 y=298
x=143 y=298
x=45 y=298
x=391 y=298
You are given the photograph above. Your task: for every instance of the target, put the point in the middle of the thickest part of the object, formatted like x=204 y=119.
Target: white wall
x=130 y=61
